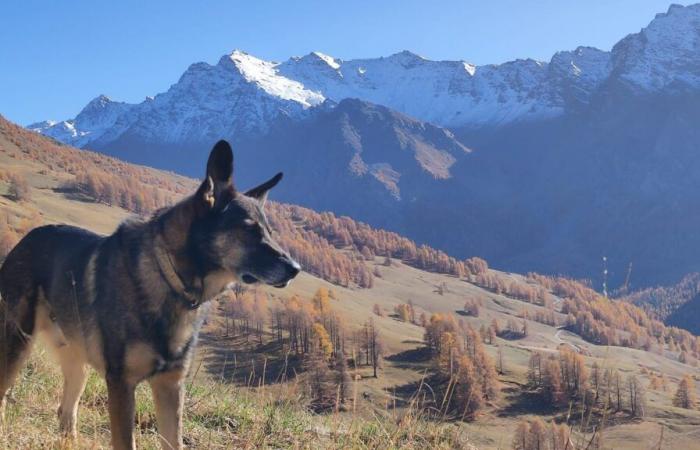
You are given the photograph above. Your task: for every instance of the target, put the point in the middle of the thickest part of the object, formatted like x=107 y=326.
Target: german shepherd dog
x=131 y=304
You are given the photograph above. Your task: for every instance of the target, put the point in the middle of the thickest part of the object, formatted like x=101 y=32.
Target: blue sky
x=57 y=55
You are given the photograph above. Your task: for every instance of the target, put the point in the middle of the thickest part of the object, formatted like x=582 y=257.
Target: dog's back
x=40 y=254
x=47 y=260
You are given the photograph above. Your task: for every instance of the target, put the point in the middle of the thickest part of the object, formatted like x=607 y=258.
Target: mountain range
x=544 y=166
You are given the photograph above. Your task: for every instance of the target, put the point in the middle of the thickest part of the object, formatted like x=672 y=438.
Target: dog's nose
x=293 y=268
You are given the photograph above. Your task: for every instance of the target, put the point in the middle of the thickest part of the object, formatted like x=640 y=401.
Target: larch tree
x=521 y=435
x=318 y=375
x=468 y=396
x=322 y=300
x=685 y=394
x=552 y=384
x=537 y=438
x=322 y=340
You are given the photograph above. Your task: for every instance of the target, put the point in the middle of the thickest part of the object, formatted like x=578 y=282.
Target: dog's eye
x=251 y=225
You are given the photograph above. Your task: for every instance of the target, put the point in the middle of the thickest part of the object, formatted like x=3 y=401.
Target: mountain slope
x=339 y=250
x=240 y=94
x=665 y=301
x=686 y=316
x=662 y=55
x=356 y=155
x=220 y=414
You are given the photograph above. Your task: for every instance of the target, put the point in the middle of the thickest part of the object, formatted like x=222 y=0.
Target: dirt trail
x=559 y=340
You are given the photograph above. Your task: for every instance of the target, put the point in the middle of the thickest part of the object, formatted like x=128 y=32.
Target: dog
x=131 y=304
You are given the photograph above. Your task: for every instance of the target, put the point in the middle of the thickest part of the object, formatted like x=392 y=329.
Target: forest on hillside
x=320 y=241
x=467 y=373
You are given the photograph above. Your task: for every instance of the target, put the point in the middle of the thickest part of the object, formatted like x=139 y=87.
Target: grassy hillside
x=229 y=405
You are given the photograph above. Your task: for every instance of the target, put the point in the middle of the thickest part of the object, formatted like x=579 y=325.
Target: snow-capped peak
x=99 y=104
x=264 y=74
x=327 y=59
x=665 y=53
x=99 y=101
x=582 y=71
x=406 y=57
x=42 y=124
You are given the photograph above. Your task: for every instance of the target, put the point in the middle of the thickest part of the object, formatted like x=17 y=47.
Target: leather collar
x=191 y=295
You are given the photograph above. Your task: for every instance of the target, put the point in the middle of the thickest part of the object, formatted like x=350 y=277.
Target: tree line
x=563 y=379
x=602 y=321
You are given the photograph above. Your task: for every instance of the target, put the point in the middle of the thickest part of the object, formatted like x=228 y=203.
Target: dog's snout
x=293 y=268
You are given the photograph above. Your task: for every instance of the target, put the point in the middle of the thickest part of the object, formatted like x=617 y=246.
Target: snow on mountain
x=243 y=94
x=63 y=131
x=443 y=92
x=239 y=94
x=97 y=118
x=664 y=54
x=264 y=75
x=579 y=73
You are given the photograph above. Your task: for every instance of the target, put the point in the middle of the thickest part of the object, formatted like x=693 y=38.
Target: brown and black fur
x=131 y=304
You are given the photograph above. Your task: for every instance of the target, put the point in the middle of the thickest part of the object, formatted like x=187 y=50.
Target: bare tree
x=342 y=379
x=501 y=366
x=617 y=386
x=637 y=396
x=19 y=188
x=375 y=345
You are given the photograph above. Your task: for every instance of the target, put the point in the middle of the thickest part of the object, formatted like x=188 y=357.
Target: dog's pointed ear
x=220 y=163
x=219 y=177
x=260 y=192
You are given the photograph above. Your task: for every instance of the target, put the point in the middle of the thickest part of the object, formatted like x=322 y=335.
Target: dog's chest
x=167 y=347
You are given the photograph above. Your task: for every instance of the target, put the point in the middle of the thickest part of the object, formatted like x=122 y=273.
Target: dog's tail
x=15 y=279
x=17 y=313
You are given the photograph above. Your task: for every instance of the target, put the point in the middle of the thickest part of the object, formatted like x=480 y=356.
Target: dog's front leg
x=120 y=396
x=168 y=395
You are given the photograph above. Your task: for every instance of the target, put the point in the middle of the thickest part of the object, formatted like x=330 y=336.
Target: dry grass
x=217 y=415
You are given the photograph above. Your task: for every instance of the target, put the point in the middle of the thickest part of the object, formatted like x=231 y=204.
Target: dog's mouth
x=250 y=279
